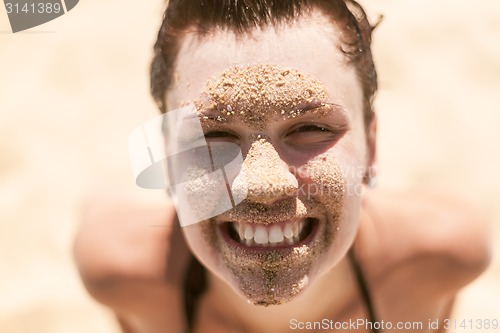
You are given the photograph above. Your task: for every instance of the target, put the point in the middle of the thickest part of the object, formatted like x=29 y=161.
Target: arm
x=131 y=257
x=426 y=225
x=422 y=248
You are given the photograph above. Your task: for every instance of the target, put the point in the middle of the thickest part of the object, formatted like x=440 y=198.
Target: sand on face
x=69 y=98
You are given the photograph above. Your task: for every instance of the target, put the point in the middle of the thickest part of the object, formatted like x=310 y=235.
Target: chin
x=275 y=270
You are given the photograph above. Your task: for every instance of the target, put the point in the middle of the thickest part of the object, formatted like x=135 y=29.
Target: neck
x=327 y=297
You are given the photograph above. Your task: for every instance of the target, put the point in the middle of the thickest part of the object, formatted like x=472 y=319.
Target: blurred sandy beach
x=72 y=90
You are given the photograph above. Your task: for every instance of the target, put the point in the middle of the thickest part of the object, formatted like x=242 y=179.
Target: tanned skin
x=416 y=250
x=132 y=258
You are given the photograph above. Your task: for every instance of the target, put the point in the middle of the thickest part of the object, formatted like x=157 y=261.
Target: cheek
x=336 y=182
x=323 y=180
x=198 y=245
x=192 y=236
x=350 y=155
x=202 y=241
x=201 y=194
x=326 y=175
x=339 y=170
x=352 y=169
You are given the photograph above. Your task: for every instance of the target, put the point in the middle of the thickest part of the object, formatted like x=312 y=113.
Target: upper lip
x=263 y=221
x=280 y=211
x=264 y=214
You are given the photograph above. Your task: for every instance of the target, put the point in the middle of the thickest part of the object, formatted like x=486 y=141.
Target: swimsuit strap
x=363 y=288
x=194 y=286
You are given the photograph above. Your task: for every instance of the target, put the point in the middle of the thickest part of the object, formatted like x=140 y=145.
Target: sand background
x=72 y=90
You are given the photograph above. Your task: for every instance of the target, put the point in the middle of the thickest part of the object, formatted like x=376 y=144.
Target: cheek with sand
x=255 y=96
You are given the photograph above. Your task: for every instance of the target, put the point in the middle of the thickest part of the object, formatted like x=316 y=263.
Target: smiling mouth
x=276 y=235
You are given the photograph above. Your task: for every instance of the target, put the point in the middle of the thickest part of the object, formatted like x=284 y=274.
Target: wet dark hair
x=240 y=16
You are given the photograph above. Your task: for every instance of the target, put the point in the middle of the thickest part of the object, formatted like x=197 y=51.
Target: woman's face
x=290 y=101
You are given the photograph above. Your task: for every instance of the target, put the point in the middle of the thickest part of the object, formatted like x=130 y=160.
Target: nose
x=264 y=176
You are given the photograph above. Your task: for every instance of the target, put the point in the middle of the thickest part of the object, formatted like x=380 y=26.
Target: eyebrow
x=303 y=111
x=203 y=116
x=335 y=107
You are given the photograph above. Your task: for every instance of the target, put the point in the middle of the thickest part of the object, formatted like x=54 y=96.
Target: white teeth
x=280 y=234
x=261 y=236
x=241 y=230
x=248 y=232
x=275 y=234
x=288 y=231
x=295 y=228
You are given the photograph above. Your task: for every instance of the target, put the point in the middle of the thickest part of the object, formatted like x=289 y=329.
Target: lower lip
x=223 y=230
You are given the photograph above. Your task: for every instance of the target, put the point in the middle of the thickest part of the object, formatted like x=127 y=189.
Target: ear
x=371 y=152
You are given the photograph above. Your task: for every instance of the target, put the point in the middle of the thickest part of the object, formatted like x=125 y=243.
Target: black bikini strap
x=363 y=288
x=194 y=286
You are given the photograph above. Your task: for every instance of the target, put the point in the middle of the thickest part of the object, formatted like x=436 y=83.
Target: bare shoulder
x=131 y=257
x=437 y=237
x=124 y=239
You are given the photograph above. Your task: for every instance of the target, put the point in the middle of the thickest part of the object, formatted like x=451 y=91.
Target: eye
x=308 y=134
x=310 y=128
x=219 y=135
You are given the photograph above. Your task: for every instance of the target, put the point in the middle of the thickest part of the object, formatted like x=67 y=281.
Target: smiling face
x=289 y=100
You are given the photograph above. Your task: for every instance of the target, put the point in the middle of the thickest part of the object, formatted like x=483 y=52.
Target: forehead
x=309 y=45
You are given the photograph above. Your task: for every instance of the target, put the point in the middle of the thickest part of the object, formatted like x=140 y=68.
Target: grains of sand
x=256 y=96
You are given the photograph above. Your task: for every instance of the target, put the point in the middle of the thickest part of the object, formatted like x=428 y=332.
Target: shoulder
x=124 y=240
x=442 y=239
